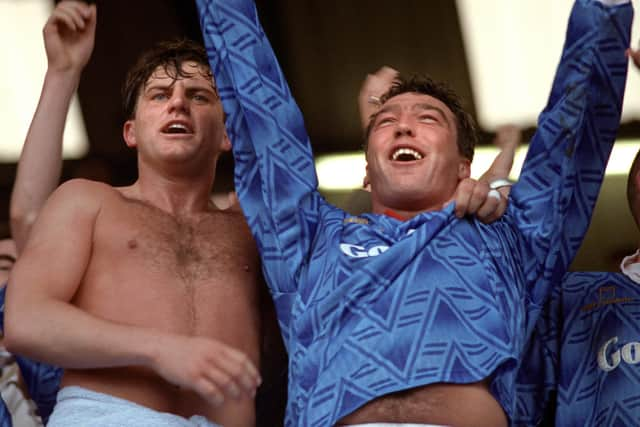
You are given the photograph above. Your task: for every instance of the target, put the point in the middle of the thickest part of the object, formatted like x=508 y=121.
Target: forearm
x=40 y=162
x=61 y=334
x=274 y=167
x=54 y=331
x=567 y=155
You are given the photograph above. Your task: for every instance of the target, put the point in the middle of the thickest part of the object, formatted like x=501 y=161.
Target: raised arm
x=68 y=38
x=507 y=139
x=274 y=167
x=554 y=197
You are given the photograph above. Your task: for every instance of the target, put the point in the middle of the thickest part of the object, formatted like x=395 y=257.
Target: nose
x=403 y=128
x=178 y=101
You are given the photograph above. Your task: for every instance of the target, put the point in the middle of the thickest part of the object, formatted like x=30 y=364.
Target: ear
x=366 y=185
x=226 y=142
x=635 y=185
x=129 y=133
x=464 y=169
x=366 y=181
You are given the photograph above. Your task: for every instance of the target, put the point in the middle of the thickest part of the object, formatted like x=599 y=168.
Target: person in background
x=20 y=409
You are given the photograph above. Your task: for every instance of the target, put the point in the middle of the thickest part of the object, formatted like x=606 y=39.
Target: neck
x=403 y=212
x=177 y=195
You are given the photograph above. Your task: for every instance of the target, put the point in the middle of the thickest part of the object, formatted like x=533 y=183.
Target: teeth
x=406 y=152
x=177 y=128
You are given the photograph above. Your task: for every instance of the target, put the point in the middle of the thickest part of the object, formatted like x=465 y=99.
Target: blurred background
x=499 y=55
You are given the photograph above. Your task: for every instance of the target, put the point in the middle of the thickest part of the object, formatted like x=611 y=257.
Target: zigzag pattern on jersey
x=370 y=306
x=575 y=114
x=589 y=309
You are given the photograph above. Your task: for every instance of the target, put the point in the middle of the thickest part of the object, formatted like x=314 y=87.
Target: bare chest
x=190 y=250
x=177 y=274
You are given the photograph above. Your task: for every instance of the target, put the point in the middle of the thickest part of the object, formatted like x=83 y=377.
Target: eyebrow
x=156 y=85
x=419 y=106
x=427 y=106
x=7 y=257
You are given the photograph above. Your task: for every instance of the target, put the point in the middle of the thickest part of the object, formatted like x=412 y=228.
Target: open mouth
x=405 y=155
x=176 y=128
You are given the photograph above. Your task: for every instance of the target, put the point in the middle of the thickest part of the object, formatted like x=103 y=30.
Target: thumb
x=449 y=202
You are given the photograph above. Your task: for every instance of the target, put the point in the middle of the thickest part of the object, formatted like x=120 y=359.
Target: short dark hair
x=633 y=190
x=465 y=125
x=170 y=55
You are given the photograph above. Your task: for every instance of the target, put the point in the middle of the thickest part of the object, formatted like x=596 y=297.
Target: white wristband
x=499 y=183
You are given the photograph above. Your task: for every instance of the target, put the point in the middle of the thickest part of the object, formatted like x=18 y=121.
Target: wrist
x=152 y=350
x=497 y=184
x=70 y=75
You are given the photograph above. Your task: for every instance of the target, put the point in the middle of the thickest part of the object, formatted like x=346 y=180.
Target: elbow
x=21 y=221
x=9 y=341
x=16 y=334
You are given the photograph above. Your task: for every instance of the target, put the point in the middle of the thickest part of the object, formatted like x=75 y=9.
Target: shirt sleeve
x=274 y=169
x=564 y=168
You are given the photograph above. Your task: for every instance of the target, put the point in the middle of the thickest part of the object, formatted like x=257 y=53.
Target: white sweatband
x=499 y=183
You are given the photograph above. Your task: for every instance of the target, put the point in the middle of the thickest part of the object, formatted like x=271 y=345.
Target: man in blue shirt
x=410 y=314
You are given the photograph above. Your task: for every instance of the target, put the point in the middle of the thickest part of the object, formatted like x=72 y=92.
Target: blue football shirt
x=369 y=305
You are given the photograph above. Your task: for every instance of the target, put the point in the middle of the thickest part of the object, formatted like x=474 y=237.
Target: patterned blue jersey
x=370 y=305
x=587 y=349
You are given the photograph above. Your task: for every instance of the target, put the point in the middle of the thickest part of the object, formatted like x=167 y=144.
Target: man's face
x=7 y=259
x=413 y=161
x=178 y=121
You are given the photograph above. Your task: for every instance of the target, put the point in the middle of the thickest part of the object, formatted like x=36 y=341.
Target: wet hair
x=465 y=125
x=633 y=190
x=169 y=55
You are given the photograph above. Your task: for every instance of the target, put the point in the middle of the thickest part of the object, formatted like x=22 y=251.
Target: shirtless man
x=413 y=314
x=149 y=296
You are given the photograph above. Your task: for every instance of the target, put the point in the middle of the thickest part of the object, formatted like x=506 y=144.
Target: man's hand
x=476 y=198
x=373 y=87
x=507 y=138
x=69 y=35
x=214 y=370
x=634 y=55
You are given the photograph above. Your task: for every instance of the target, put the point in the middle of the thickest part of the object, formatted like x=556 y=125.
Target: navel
x=132 y=244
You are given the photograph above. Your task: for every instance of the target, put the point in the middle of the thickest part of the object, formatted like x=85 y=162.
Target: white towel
x=80 y=407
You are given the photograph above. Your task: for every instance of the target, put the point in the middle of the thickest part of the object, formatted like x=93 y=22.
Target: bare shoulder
x=68 y=217
x=85 y=188
x=80 y=195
